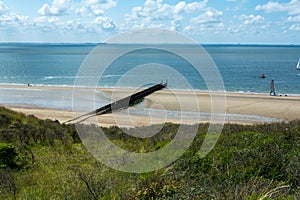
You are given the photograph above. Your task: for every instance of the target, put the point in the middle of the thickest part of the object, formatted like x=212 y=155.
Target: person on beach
x=272 y=88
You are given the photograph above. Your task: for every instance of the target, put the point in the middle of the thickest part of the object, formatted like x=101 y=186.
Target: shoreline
x=240 y=107
x=107 y=88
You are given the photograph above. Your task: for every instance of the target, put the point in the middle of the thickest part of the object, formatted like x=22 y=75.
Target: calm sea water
x=240 y=66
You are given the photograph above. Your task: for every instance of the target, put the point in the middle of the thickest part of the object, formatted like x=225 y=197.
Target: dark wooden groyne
x=121 y=103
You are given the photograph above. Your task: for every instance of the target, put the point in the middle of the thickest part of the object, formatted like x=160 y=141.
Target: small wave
x=12 y=84
x=109 y=76
x=58 y=77
x=78 y=77
x=12 y=77
x=33 y=84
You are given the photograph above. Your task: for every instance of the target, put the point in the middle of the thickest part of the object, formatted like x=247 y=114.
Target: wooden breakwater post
x=123 y=103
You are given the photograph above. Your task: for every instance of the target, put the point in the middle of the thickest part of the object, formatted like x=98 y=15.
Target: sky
x=205 y=21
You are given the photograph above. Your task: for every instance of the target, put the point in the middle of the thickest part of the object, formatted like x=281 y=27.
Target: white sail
x=298 y=65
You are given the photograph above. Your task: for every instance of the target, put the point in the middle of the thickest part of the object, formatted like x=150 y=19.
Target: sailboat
x=298 y=65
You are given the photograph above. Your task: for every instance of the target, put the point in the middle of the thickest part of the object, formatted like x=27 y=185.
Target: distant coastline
x=101 y=43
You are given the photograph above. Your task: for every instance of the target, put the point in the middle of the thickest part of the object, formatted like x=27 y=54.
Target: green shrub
x=8 y=155
x=4 y=120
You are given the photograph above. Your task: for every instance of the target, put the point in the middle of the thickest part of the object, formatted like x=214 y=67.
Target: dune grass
x=50 y=162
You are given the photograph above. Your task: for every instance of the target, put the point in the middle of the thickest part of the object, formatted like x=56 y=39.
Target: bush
x=8 y=155
x=4 y=120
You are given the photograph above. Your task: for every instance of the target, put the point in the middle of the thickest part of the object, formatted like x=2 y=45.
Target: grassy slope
x=248 y=162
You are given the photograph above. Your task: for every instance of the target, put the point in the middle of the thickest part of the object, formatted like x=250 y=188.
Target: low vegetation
x=41 y=159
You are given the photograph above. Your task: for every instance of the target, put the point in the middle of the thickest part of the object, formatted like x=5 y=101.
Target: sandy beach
x=239 y=108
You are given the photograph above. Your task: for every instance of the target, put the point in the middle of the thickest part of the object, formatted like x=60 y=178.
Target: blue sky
x=206 y=21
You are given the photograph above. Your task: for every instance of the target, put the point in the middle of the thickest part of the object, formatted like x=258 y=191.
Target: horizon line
x=97 y=43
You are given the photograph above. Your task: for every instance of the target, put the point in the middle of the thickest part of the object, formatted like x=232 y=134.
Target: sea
x=240 y=68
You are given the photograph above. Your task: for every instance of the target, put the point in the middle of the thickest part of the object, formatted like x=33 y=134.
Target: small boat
x=298 y=65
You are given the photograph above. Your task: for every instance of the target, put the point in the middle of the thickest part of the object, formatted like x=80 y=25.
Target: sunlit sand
x=240 y=108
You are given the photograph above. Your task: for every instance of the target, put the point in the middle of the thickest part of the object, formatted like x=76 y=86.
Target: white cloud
x=44 y=19
x=235 y=29
x=61 y=16
x=95 y=10
x=157 y=10
x=293 y=19
x=292 y=7
x=156 y=13
x=58 y=8
x=74 y=25
x=11 y=19
x=210 y=22
x=95 y=7
x=151 y=14
x=195 y=6
x=210 y=17
x=105 y=23
x=248 y=26
x=3 y=8
x=152 y=10
x=103 y=4
x=54 y=23
x=295 y=27
x=252 y=19
x=237 y=5
x=46 y=24
x=179 y=7
x=176 y=25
